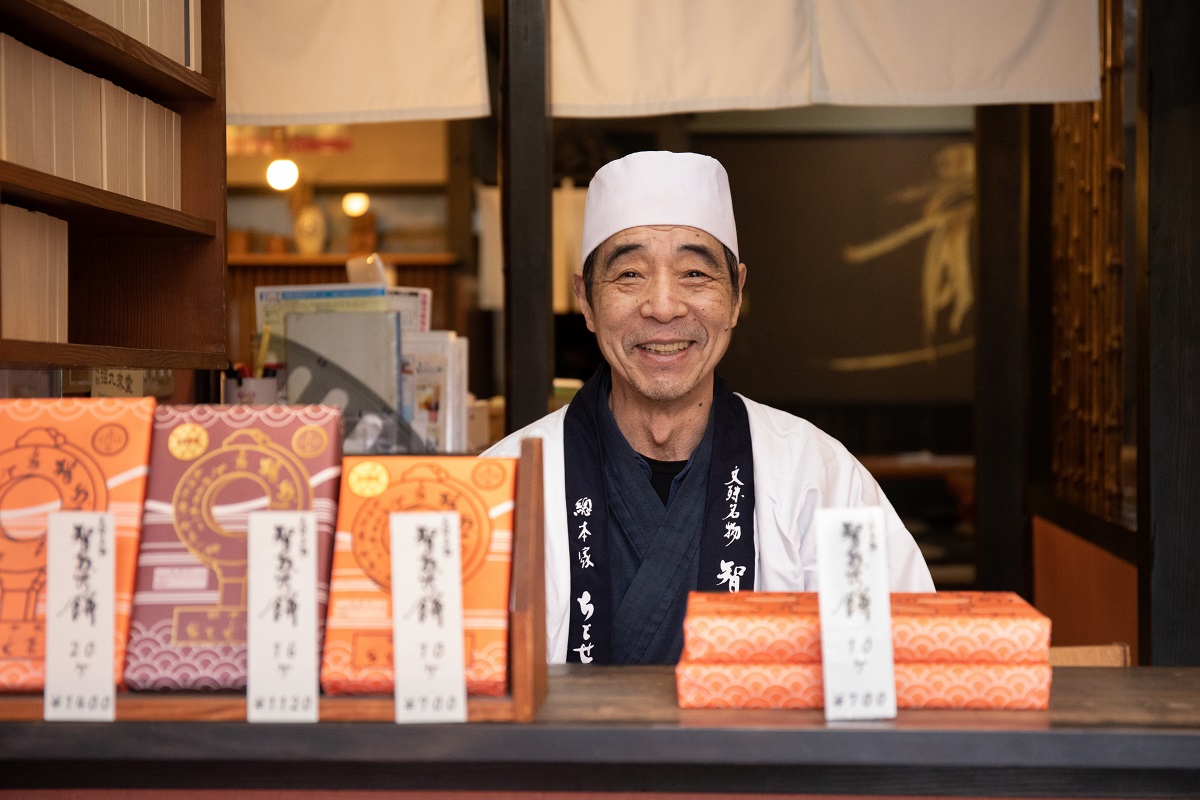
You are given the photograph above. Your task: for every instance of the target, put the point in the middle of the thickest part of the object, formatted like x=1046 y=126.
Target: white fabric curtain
x=312 y=61
x=955 y=52
x=633 y=58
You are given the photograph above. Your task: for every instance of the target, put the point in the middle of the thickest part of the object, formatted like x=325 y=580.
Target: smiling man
x=658 y=479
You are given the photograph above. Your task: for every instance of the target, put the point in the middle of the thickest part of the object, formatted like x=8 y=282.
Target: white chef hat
x=659 y=188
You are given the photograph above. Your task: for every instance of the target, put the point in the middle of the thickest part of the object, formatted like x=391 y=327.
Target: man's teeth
x=664 y=349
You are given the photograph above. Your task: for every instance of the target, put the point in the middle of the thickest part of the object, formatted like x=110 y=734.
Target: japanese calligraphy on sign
x=856 y=620
x=117 y=382
x=583 y=508
x=281 y=620
x=80 y=609
x=731 y=573
x=427 y=617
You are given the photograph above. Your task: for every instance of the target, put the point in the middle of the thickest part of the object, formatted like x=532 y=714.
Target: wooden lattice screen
x=1087 y=295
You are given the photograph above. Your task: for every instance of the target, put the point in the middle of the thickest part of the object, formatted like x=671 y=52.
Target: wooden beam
x=1001 y=352
x=525 y=183
x=1168 y=205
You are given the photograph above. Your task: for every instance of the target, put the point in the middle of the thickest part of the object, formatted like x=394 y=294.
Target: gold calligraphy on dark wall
x=947 y=215
x=860 y=286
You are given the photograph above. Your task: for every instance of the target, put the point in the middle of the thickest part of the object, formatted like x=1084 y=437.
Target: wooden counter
x=1109 y=732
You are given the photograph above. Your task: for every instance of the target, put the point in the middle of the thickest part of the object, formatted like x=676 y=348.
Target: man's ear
x=741 y=278
x=581 y=297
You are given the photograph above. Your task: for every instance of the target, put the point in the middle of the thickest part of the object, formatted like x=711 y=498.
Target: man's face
x=662 y=310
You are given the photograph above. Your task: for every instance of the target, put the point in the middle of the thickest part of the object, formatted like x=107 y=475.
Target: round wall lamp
x=282 y=174
x=355 y=204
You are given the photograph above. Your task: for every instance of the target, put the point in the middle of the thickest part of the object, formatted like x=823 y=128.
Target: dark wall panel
x=859 y=285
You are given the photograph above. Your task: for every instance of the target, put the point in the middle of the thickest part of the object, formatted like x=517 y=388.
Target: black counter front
x=1109 y=732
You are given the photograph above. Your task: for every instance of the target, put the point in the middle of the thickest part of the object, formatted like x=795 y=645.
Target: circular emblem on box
x=188 y=441
x=424 y=487
x=368 y=479
x=310 y=441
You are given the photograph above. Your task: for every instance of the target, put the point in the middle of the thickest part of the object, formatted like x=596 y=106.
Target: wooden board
x=1079 y=696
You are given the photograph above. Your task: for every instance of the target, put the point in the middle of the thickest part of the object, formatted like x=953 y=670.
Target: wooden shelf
x=231 y=707
x=69 y=34
x=88 y=208
x=146 y=283
x=17 y=353
x=338 y=259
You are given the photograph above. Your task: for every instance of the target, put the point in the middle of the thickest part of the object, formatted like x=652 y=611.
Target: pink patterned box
x=210 y=466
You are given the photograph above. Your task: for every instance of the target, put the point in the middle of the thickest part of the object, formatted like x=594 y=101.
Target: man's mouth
x=664 y=348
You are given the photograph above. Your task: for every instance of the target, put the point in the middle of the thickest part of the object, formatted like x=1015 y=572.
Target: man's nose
x=663 y=300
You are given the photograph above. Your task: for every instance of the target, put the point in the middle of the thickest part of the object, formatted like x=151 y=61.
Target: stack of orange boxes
x=952 y=650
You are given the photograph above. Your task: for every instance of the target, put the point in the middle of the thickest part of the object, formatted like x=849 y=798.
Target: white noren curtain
x=313 y=61
x=637 y=57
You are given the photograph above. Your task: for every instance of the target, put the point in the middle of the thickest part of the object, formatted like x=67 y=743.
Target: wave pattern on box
x=799 y=686
x=949 y=627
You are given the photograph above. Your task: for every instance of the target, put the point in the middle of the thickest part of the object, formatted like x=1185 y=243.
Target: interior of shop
x=981 y=285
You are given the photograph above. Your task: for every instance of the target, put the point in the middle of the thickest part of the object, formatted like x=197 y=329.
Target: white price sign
x=427 y=617
x=80 y=582
x=856 y=614
x=281 y=617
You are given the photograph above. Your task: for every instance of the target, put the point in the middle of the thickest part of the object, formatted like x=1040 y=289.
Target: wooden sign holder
x=526 y=619
x=526 y=644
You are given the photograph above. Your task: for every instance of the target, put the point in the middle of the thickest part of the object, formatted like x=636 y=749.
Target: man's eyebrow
x=703 y=251
x=619 y=251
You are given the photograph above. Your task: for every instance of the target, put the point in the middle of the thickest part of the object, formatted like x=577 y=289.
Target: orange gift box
x=943 y=627
x=990 y=686
x=64 y=455
x=358 y=634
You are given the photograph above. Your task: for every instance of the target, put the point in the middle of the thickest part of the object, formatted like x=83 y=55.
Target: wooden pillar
x=1168 y=263
x=1001 y=351
x=525 y=184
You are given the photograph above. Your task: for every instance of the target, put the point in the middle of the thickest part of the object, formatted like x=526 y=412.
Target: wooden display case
x=146 y=282
x=526 y=640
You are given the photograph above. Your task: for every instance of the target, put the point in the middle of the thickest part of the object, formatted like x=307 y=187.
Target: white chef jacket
x=798 y=468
